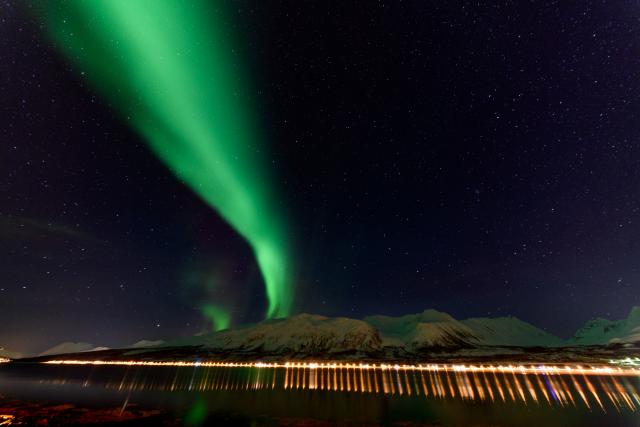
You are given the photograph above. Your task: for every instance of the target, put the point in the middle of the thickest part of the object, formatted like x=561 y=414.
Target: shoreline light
x=520 y=369
x=595 y=386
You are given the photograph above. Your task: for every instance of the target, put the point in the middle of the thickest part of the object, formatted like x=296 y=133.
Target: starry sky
x=482 y=159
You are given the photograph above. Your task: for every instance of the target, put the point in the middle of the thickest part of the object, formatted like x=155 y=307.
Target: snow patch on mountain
x=603 y=331
x=147 y=344
x=71 y=347
x=510 y=331
x=631 y=338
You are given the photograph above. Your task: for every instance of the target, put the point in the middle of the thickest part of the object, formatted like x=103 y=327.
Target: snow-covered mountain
x=429 y=330
x=632 y=338
x=433 y=328
x=71 y=347
x=510 y=331
x=603 y=331
x=301 y=333
x=147 y=343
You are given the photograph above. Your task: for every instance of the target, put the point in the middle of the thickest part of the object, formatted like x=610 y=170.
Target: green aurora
x=219 y=317
x=171 y=70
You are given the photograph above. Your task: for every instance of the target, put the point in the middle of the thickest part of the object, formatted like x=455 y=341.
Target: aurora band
x=171 y=70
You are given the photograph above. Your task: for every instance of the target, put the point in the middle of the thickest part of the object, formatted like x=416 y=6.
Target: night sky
x=479 y=159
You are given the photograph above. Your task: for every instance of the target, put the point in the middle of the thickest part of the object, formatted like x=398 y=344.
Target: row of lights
x=520 y=369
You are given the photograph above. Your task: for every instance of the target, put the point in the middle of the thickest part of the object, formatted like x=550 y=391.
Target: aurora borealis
x=158 y=158
x=171 y=71
x=248 y=212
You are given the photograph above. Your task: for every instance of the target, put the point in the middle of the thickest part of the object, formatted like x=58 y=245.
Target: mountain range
x=428 y=331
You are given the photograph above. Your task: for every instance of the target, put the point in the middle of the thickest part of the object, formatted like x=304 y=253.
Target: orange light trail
x=504 y=369
x=575 y=385
x=6 y=419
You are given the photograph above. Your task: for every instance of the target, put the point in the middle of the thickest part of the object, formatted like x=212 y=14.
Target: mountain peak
x=431 y=315
x=71 y=347
x=308 y=316
x=634 y=315
x=603 y=331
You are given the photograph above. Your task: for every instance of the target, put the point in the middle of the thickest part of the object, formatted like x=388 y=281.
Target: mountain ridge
x=429 y=330
x=424 y=331
x=600 y=331
x=418 y=333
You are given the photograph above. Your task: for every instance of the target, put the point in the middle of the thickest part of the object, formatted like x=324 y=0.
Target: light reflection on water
x=602 y=390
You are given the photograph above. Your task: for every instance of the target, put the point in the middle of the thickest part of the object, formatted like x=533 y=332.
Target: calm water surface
x=348 y=396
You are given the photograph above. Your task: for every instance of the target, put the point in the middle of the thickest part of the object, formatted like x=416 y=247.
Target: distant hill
x=603 y=331
x=146 y=343
x=71 y=347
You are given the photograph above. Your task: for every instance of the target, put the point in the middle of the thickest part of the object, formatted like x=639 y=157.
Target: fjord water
x=350 y=396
